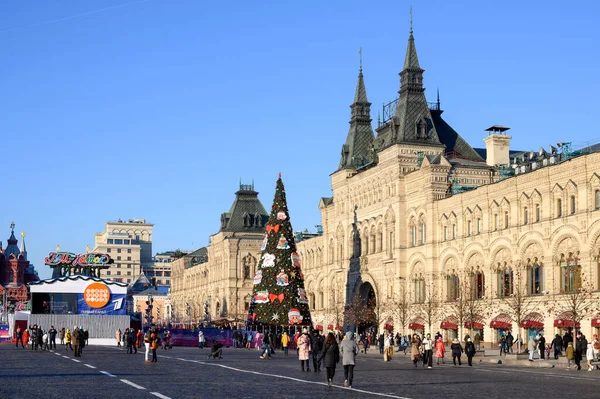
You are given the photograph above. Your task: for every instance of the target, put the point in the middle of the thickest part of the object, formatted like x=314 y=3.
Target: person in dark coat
x=330 y=356
x=457 y=351
x=317 y=347
x=470 y=351
x=542 y=346
x=580 y=348
x=557 y=343
x=76 y=342
x=52 y=337
x=40 y=338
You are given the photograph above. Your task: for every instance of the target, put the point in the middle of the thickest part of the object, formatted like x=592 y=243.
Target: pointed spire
x=411 y=61
x=360 y=96
x=23 y=248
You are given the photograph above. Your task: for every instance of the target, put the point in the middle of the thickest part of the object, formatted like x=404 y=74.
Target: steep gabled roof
x=247 y=214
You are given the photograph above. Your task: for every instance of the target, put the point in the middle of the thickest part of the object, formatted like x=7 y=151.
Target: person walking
x=52 y=337
x=415 y=352
x=510 y=340
x=589 y=356
x=40 y=337
x=19 y=338
x=266 y=347
x=570 y=352
x=457 y=351
x=440 y=350
x=330 y=356
x=386 y=347
x=304 y=349
x=557 y=344
x=75 y=342
x=542 y=346
x=285 y=341
x=68 y=339
x=118 y=336
x=33 y=336
x=428 y=346
x=61 y=336
x=317 y=347
x=139 y=338
x=26 y=337
x=154 y=344
x=580 y=349
x=147 y=343
x=201 y=339
x=470 y=351
x=381 y=343
x=45 y=340
x=348 y=350
x=595 y=344
x=531 y=346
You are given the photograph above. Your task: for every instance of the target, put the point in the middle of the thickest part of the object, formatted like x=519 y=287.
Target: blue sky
x=155 y=109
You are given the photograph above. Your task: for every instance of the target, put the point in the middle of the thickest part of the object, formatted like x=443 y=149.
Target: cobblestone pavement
x=108 y=372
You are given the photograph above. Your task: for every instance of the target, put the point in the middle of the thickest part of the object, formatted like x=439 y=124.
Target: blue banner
x=115 y=306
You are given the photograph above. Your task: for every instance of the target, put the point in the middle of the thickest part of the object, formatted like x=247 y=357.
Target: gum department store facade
x=431 y=211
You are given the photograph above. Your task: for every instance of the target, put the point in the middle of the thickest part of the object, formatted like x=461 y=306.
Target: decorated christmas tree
x=278 y=296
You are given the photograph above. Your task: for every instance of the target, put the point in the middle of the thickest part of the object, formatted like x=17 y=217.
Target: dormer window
x=246 y=220
x=257 y=220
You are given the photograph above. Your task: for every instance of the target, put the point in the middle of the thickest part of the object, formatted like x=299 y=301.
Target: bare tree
x=474 y=301
x=335 y=311
x=574 y=304
x=400 y=307
x=457 y=307
x=431 y=307
x=518 y=304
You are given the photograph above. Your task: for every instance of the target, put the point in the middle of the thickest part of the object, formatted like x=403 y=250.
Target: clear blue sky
x=156 y=109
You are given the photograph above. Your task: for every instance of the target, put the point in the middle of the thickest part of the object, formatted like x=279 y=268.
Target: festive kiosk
x=75 y=297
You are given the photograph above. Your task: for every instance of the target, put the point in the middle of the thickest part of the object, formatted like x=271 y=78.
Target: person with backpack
x=154 y=344
x=330 y=356
x=470 y=351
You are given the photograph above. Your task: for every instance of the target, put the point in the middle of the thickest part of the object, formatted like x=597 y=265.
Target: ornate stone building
x=15 y=271
x=218 y=278
x=419 y=216
x=431 y=212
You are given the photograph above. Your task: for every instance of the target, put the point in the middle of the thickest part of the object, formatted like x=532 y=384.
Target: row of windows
x=120 y=241
x=109 y=250
x=570 y=281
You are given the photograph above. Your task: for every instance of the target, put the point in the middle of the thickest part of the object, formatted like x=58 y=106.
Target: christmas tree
x=278 y=296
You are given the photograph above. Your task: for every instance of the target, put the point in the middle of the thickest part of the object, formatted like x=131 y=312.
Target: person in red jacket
x=140 y=338
x=440 y=350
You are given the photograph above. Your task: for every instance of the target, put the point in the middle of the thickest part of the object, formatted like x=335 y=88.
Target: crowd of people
x=36 y=337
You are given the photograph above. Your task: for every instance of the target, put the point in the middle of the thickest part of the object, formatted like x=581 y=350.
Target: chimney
x=497 y=146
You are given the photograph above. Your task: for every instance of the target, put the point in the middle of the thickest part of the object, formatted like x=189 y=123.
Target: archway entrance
x=362 y=312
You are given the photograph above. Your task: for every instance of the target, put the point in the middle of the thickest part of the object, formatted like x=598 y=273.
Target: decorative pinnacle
x=411 y=30
x=280 y=175
x=12 y=226
x=23 y=235
x=360 y=55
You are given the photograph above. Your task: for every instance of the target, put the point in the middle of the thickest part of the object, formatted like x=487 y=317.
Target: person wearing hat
x=304 y=349
x=457 y=351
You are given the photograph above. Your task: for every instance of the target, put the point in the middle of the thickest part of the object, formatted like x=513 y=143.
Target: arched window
x=468 y=228
x=535 y=278
x=373 y=245
x=391 y=244
x=495 y=221
x=419 y=290
x=558 y=207
x=506 y=220
x=423 y=233
x=453 y=231
x=597 y=199
x=445 y=233
x=311 y=300
x=413 y=234
x=525 y=215
x=570 y=268
x=478 y=225
x=538 y=212
x=452 y=283
x=478 y=285
x=573 y=205
x=321 y=300
x=505 y=281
